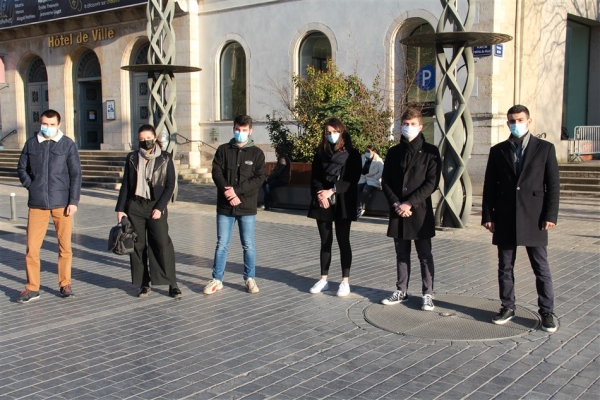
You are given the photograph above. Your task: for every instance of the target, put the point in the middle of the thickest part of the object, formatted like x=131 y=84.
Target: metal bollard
x=13 y=207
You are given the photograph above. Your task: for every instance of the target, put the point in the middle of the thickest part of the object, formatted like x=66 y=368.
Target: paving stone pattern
x=284 y=343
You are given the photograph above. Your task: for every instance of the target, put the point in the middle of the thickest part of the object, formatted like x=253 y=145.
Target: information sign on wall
x=15 y=13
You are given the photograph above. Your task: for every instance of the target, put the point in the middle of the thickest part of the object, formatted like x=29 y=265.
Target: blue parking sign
x=426 y=77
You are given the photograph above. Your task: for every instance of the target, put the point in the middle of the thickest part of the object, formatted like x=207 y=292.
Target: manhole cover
x=454 y=318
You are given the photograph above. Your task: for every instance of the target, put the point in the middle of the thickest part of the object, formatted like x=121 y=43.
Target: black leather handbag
x=122 y=237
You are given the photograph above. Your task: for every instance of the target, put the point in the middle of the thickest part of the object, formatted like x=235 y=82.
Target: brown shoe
x=66 y=291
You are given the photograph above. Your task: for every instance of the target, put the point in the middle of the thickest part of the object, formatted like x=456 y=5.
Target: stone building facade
x=250 y=49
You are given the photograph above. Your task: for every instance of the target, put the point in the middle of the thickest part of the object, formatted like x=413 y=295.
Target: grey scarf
x=145 y=170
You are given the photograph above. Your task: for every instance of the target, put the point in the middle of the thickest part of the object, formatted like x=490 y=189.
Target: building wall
x=364 y=38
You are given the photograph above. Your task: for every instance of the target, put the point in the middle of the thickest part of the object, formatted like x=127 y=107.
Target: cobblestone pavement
x=283 y=342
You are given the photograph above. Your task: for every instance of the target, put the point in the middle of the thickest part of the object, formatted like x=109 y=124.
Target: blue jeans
x=224 y=230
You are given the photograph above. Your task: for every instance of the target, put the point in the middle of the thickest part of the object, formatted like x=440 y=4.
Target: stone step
x=593 y=181
x=579 y=167
x=103 y=168
x=103 y=185
x=579 y=174
x=199 y=181
x=579 y=188
x=101 y=162
x=575 y=193
x=97 y=178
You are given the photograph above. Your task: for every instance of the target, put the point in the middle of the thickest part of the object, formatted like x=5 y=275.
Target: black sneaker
x=66 y=291
x=27 y=295
x=397 y=297
x=548 y=324
x=505 y=315
x=175 y=293
x=144 y=291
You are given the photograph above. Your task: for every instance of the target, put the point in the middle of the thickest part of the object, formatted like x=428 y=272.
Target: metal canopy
x=451 y=39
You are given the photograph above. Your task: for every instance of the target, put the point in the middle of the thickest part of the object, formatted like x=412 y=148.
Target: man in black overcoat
x=520 y=204
x=411 y=174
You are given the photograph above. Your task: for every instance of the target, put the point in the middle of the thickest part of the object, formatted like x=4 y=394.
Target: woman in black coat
x=334 y=187
x=147 y=187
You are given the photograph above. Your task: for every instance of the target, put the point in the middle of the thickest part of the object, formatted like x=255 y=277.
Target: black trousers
x=364 y=192
x=538 y=257
x=423 y=247
x=153 y=258
x=342 y=234
x=268 y=187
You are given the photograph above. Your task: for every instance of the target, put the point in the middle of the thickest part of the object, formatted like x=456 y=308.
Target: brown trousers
x=36 y=231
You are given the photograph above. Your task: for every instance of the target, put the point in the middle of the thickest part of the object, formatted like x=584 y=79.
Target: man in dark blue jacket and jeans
x=49 y=168
x=238 y=170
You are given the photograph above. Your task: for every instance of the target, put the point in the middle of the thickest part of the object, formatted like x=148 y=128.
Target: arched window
x=315 y=50
x=233 y=81
x=89 y=66
x=37 y=71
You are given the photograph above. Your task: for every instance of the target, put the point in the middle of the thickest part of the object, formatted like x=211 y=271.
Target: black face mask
x=146 y=144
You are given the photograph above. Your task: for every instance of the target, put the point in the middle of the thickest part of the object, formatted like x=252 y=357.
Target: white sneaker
x=320 y=286
x=343 y=290
x=213 y=286
x=427 y=303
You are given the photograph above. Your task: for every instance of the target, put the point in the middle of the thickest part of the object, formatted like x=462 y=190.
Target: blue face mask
x=367 y=154
x=518 y=130
x=240 y=136
x=48 y=131
x=333 y=138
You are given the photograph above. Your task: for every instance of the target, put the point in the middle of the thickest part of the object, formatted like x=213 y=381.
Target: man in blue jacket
x=49 y=168
x=238 y=171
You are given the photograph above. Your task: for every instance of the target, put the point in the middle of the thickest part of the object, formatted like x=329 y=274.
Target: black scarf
x=333 y=162
x=410 y=148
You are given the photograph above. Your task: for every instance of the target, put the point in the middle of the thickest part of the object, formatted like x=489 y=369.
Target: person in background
x=370 y=178
x=50 y=170
x=280 y=176
x=410 y=176
x=238 y=170
x=520 y=205
x=334 y=179
x=147 y=187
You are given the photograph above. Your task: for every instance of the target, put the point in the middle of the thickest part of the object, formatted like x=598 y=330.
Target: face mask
x=240 y=136
x=146 y=144
x=367 y=155
x=410 y=132
x=333 y=138
x=518 y=130
x=48 y=131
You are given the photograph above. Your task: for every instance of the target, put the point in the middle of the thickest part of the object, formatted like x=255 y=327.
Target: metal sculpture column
x=161 y=70
x=455 y=125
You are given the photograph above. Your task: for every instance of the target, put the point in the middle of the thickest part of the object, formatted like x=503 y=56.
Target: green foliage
x=330 y=93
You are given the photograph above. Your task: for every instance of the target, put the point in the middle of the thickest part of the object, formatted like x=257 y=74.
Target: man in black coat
x=411 y=173
x=49 y=168
x=280 y=176
x=238 y=170
x=520 y=204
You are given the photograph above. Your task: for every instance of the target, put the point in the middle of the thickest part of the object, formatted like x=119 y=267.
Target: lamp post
x=456 y=124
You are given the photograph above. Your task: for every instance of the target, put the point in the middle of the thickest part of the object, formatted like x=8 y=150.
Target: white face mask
x=333 y=138
x=410 y=132
x=518 y=130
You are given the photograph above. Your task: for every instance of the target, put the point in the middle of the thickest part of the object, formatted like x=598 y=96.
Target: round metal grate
x=454 y=318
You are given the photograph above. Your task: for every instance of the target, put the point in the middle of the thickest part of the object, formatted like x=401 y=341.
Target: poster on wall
x=14 y=13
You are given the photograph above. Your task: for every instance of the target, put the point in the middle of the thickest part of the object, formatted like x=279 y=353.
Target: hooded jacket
x=51 y=171
x=243 y=168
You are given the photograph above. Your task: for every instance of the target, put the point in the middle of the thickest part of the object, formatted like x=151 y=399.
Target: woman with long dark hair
x=148 y=184
x=335 y=174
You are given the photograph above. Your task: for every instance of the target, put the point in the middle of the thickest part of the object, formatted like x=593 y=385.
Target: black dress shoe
x=144 y=291
x=175 y=293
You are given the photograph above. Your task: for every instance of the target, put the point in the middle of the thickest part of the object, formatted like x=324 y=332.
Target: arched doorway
x=140 y=96
x=37 y=95
x=89 y=96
